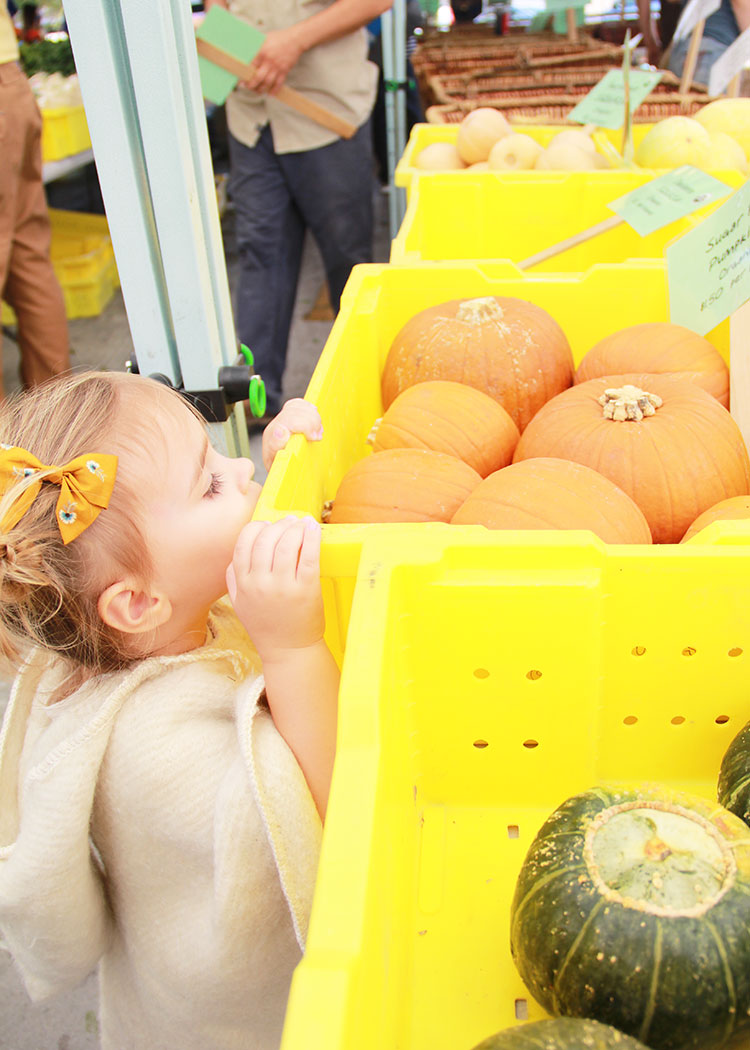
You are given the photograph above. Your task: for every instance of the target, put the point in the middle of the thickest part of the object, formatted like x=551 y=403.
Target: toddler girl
x=165 y=758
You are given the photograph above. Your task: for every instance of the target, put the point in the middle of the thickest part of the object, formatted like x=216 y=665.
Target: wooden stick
x=285 y=94
x=570 y=21
x=570 y=242
x=692 y=56
x=739 y=368
x=733 y=88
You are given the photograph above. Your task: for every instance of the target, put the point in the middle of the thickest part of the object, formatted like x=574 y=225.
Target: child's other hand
x=274 y=585
x=296 y=417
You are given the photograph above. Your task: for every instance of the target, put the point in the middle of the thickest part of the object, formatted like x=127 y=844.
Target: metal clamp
x=236 y=382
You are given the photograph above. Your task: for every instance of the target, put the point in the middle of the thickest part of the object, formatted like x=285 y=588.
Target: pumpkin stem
x=476 y=311
x=657 y=849
x=327 y=508
x=629 y=402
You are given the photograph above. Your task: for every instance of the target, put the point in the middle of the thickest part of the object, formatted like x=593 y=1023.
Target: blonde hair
x=49 y=590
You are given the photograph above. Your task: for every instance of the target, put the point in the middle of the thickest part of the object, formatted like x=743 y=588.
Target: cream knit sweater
x=156 y=824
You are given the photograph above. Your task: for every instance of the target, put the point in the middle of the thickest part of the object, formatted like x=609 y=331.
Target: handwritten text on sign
x=708 y=268
x=604 y=105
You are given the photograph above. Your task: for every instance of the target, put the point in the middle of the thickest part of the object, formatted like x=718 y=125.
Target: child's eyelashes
x=215 y=486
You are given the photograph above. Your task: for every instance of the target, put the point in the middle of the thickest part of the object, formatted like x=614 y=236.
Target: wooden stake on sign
x=570 y=242
x=733 y=88
x=691 y=59
x=285 y=94
x=739 y=369
x=570 y=18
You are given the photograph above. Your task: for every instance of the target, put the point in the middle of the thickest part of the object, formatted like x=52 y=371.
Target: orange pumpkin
x=658 y=347
x=733 y=509
x=451 y=418
x=554 y=494
x=403 y=484
x=671 y=446
x=511 y=349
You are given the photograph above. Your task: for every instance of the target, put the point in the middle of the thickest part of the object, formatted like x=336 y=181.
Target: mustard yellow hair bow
x=85 y=482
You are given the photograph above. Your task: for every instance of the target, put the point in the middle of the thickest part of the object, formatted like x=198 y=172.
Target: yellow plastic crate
x=377 y=302
x=608 y=142
x=64 y=132
x=83 y=259
x=487 y=678
x=488 y=215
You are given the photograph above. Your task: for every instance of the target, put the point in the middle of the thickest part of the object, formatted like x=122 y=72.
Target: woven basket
x=540 y=110
x=484 y=89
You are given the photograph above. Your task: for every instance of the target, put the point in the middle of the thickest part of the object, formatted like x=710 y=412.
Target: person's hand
x=296 y=417
x=280 y=50
x=274 y=585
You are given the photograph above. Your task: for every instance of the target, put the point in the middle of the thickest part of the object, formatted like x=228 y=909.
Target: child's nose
x=246 y=469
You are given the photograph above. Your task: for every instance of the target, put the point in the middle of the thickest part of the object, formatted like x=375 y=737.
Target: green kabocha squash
x=734 y=776
x=561 y=1033
x=632 y=908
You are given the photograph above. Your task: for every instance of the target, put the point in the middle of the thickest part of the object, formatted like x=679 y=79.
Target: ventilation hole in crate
x=638 y=650
x=522 y=1009
x=721 y=720
x=533 y=675
x=513 y=831
x=629 y=720
x=735 y=652
x=688 y=651
x=531 y=743
x=481 y=672
x=678 y=720
x=481 y=743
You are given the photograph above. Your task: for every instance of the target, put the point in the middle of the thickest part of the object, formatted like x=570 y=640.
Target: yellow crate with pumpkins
x=532 y=355
x=490 y=679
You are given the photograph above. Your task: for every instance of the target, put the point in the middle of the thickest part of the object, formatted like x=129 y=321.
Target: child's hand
x=296 y=417
x=274 y=585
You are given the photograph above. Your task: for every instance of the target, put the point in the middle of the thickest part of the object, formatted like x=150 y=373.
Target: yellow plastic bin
x=608 y=143
x=377 y=302
x=83 y=259
x=64 y=132
x=487 y=678
x=513 y=215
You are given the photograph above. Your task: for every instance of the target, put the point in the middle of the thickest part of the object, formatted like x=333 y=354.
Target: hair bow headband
x=85 y=482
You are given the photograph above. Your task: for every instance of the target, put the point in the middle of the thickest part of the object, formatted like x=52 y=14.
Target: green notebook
x=230 y=34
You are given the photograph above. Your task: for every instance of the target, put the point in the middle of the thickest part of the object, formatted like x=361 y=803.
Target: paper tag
x=729 y=64
x=604 y=105
x=708 y=268
x=563 y=5
x=691 y=15
x=667 y=198
x=233 y=35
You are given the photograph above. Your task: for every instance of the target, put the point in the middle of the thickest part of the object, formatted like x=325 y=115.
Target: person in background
x=289 y=174
x=27 y=280
x=166 y=753
x=720 y=30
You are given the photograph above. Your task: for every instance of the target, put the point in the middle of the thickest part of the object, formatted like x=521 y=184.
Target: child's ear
x=129 y=609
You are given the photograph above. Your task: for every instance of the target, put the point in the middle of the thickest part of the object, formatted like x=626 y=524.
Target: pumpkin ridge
x=694 y=423
x=572 y=950
x=728 y=980
x=648 y=1014
x=594 y=509
x=729 y=445
x=541 y=883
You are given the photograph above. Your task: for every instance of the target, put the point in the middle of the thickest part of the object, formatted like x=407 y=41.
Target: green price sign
x=708 y=268
x=667 y=198
x=604 y=105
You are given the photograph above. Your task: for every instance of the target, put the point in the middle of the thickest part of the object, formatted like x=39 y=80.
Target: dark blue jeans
x=276 y=198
